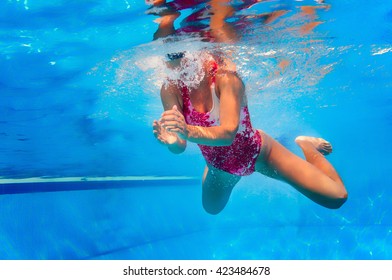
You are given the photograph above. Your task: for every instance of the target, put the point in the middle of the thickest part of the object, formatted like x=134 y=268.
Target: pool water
x=84 y=178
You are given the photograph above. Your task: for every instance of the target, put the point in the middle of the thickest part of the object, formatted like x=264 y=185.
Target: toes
x=324 y=147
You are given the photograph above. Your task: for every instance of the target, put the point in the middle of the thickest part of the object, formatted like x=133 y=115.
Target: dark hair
x=176 y=55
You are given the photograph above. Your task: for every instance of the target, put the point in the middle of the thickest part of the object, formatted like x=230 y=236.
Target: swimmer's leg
x=315 y=178
x=216 y=189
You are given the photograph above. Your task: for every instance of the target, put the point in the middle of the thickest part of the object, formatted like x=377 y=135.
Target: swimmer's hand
x=173 y=121
x=162 y=135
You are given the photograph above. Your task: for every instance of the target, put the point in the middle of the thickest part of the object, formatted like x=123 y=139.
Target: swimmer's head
x=187 y=67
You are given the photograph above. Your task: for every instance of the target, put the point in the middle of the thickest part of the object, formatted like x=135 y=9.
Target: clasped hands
x=171 y=123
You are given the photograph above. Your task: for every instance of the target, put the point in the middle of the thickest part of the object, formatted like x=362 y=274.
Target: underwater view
x=82 y=82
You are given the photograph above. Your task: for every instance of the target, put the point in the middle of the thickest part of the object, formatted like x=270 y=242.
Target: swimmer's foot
x=321 y=145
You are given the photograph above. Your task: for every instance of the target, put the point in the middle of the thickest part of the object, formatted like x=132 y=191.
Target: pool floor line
x=142 y=244
x=42 y=184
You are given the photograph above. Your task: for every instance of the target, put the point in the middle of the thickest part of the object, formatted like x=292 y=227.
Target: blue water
x=75 y=102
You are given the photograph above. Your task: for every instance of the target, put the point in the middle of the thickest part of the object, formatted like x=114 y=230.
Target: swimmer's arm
x=169 y=98
x=231 y=91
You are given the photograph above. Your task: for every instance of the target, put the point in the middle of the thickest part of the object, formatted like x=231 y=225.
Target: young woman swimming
x=215 y=116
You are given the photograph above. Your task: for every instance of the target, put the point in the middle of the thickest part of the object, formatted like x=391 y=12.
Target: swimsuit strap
x=214 y=70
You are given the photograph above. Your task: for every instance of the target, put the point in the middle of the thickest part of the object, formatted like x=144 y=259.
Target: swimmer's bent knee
x=337 y=201
x=212 y=208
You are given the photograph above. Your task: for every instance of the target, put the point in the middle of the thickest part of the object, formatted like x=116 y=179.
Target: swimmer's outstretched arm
x=231 y=91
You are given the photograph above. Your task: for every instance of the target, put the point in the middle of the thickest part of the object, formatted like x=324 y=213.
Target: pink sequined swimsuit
x=240 y=157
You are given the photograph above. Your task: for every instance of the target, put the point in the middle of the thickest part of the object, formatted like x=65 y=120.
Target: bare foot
x=320 y=144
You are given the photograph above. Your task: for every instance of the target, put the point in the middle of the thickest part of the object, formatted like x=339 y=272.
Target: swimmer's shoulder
x=171 y=92
x=230 y=80
x=171 y=88
x=225 y=76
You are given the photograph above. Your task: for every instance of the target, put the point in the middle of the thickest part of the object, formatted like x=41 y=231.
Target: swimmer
x=215 y=116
